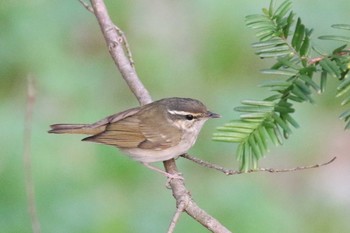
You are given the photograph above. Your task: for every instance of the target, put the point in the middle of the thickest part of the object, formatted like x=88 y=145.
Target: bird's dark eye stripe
x=186 y=115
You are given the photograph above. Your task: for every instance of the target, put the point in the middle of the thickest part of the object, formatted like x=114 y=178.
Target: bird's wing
x=124 y=133
x=160 y=137
x=131 y=132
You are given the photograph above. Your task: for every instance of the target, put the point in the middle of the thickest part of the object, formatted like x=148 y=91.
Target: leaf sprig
x=270 y=118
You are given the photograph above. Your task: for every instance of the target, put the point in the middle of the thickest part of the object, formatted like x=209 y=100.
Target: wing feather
x=135 y=129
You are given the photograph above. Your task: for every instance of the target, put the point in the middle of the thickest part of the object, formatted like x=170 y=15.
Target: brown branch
x=180 y=193
x=27 y=161
x=228 y=171
x=179 y=210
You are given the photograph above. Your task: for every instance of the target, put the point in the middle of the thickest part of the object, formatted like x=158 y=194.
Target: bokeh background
x=198 y=49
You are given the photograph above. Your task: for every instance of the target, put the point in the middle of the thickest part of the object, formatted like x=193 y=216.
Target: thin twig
x=228 y=171
x=27 y=162
x=121 y=39
x=181 y=194
x=126 y=45
x=118 y=54
x=318 y=59
x=87 y=6
x=176 y=217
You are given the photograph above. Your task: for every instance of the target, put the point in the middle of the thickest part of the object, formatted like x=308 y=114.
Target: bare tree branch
x=179 y=210
x=228 y=171
x=122 y=37
x=117 y=52
x=87 y=6
x=180 y=193
x=27 y=161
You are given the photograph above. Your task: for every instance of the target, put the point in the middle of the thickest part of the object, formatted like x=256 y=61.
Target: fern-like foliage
x=271 y=118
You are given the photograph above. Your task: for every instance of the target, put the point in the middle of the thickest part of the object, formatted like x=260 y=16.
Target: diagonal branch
x=180 y=193
x=117 y=52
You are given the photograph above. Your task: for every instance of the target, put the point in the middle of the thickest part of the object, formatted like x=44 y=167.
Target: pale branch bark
x=228 y=171
x=180 y=193
x=27 y=161
x=119 y=31
x=183 y=197
x=117 y=52
x=180 y=208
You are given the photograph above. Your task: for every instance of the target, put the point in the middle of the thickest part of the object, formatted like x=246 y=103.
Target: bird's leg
x=168 y=175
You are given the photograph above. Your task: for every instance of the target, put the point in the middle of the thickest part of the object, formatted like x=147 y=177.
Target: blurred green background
x=198 y=49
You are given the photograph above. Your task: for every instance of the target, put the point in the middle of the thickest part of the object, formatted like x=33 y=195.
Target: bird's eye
x=189 y=117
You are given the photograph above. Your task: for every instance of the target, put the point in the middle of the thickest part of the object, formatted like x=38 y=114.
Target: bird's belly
x=150 y=156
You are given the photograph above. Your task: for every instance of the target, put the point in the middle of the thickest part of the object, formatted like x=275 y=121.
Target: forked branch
x=112 y=35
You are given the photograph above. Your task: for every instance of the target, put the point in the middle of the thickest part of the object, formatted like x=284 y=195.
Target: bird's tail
x=76 y=129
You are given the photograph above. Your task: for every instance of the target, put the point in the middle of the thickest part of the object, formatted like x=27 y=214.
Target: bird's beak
x=213 y=115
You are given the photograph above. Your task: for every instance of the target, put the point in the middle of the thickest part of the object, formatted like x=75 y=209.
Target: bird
x=155 y=132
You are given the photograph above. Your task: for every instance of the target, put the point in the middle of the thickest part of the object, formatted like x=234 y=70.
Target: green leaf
x=323 y=81
x=274 y=53
x=264 y=137
x=310 y=82
x=278 y=135
x=347 y=126
x=299 y=93
x=304 y=49
x=343 y=91
x=281 y=123
x=234 y=129
x=345 y=101
x=305 y=89
x=274 y=49
x=257 y=109
x=257 y=115
x=273 y=42
x=330 y=67
x=341 y=26
x=295 y=98
x=271 y=6
x=283 y=9
x=275 y=83
x=291 y=121
x=345 y=83
x=340 y=49
x=286 y=61
x=345 y=115
x=265 y=34
x=256 y=18
x=274 y=97
x=283 y=109
x=336 y=38
x=226 y=139
x=286 y=28
x=240 y=152
x=272 y=135
x=279 y=72
x=258 y=103
x=298 y=34
x=241 y=124
x=255 y=148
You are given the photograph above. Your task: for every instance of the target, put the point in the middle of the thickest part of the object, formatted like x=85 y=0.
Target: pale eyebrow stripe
x=174 y=112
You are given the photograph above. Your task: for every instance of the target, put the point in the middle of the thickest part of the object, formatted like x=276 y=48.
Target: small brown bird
x=158 y=131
